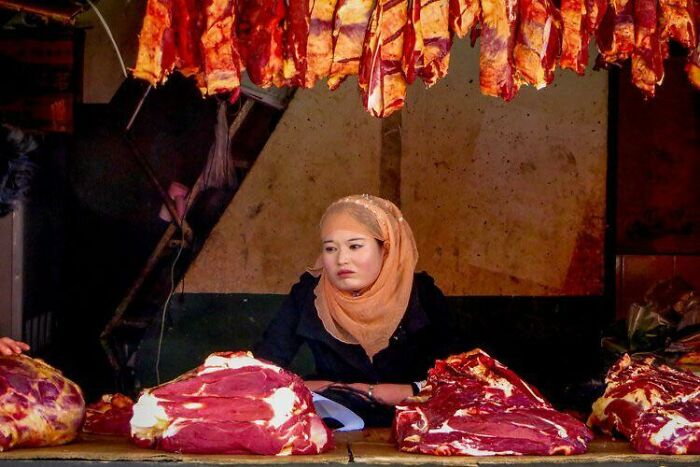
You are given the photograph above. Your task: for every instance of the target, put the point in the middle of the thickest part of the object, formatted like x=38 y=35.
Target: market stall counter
x=110 y=450
x=368 y=447
x=374 y=447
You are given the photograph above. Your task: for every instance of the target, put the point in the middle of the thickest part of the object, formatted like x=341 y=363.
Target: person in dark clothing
x=373 y=325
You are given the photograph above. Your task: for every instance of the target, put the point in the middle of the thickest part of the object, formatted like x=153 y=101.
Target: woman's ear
x=385 y=248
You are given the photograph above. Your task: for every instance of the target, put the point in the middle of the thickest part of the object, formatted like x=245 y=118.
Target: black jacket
x=423 y=335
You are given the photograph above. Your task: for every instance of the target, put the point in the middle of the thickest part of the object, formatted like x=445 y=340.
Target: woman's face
x=352 y=260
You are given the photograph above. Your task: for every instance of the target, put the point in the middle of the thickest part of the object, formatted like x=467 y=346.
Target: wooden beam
x=390 y=159
x=64 y=12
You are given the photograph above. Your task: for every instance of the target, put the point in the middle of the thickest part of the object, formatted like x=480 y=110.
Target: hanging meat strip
x=381 y=80
x=615 y=36
x=320 y=43
x=260 y=36
x=676 y=22
x=537 y=45
x=156 y=55
x=412 y=60
x=575 y=36
x=498 y=29
x=595 y=11
x=427 y=41
x=463 y=15
x=222 y=62
x=692 y=68
x=437 y=40
x=295 y=37
x=349 y=31
x=188 y=22
x=647 y=58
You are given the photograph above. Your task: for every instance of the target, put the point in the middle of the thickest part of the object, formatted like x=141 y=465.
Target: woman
x=372 y=323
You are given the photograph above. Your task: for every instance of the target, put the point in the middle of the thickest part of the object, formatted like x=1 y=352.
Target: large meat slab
x=38 y=405
x=473 y=405
x=654 y=405
x=232 y=404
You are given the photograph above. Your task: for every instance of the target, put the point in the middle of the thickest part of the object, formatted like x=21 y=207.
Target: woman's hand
x=317 y=385
x=388 y=394
x=10 y=346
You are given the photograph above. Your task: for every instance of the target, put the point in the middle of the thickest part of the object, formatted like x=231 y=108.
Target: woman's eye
x=329 y=249
x=355 y=247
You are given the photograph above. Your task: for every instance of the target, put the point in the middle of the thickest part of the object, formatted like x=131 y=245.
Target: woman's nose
x=342 y=256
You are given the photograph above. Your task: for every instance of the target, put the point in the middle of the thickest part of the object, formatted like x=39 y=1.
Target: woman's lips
x=344 y=273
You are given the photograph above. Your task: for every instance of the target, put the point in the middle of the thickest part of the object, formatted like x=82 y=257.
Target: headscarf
x=369 y=319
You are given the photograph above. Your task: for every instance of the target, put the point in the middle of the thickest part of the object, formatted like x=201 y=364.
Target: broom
x=220 y=170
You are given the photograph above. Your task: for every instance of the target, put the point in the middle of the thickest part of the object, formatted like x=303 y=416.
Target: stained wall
x=507 y=198
x=504 y=198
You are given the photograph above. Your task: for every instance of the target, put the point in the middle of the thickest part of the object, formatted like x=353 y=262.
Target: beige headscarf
x=370 y=318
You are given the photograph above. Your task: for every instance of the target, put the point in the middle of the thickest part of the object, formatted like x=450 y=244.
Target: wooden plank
x=374 y=447
x=113 y=449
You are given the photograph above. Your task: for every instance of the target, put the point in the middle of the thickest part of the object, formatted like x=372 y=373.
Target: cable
x=171 y=293
x=167 y=303
x=138 y=108
x=111 y=37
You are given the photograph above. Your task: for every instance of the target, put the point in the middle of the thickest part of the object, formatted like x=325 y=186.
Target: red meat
x=473 y=405
x=38 y=405
x=654 y=405
x=232 y=404
x=109 y=416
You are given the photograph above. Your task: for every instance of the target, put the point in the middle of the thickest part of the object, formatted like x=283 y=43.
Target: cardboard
x=374 y=447
x=111 y=449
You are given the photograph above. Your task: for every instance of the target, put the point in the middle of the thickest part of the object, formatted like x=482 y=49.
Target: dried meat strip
x=498 y=34
x=319 y=47
x=296 y=35
x=350 y=28
x=464 y=14
x=537 y=46
x=676 y=21
x=615 y=36
x=222 y=62
x=647 y=58
x=412 y=60
x=188 y=25
x=575 y=36
x=260 y=37
x=437 y=39
x=156 y=54
x=381 y=80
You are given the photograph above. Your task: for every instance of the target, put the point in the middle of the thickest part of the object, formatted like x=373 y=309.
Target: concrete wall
x=504 y=198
